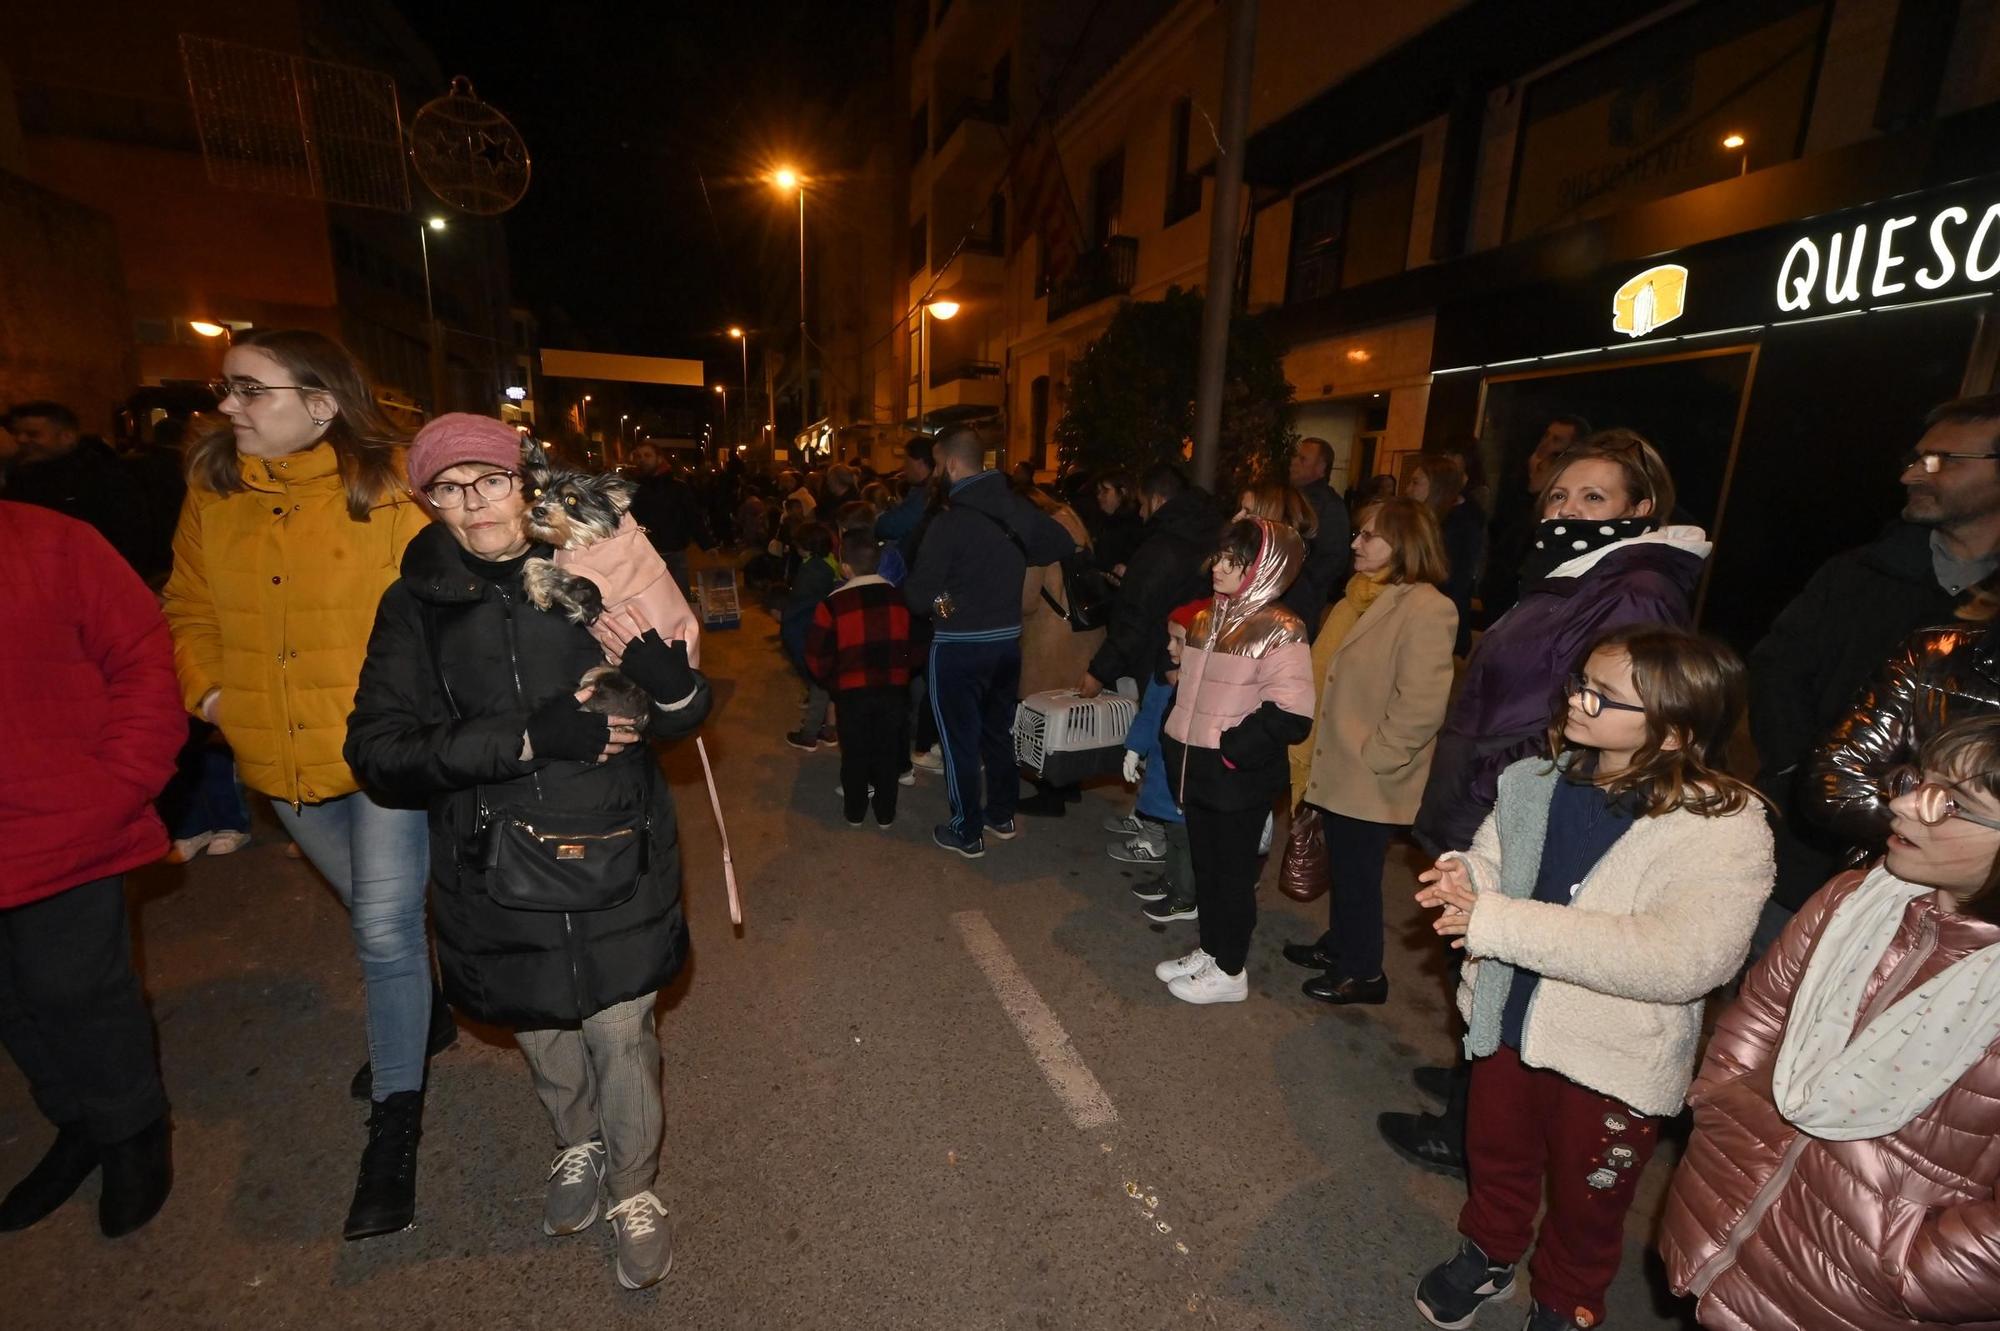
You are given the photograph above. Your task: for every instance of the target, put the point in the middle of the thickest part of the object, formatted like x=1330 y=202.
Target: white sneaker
x=1173 y=970
x=908 y=778
x=1209 y=985
x=645 y=1242
x=931 y=760
x=1138 y=851
x=573 y=1195
x=1127 y=825
x=228 y=843
x=187 y=847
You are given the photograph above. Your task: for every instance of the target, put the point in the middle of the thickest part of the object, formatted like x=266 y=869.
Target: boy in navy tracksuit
x=968 y=578
x=858 y=649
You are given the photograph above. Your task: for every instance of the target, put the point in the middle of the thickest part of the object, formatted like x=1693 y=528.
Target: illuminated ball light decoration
x=468 y=153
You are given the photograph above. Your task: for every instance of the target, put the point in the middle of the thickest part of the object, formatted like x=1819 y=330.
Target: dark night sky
x=627 y=109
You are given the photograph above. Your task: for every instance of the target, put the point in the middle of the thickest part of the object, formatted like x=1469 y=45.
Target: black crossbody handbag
x=551 y=859
x=1089 y=595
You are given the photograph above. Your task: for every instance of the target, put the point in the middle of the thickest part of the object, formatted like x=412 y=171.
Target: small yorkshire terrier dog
x=571 y=510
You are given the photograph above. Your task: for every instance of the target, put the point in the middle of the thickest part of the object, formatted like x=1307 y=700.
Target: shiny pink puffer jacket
x=1777 y=1231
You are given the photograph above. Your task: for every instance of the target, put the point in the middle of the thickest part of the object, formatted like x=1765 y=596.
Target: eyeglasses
x=249 y=390
x=1935 y=800
x=1592 y=702
x=492 y=487
x=1933 y=463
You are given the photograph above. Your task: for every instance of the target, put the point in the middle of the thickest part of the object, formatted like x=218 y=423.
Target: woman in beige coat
x=1384 y=673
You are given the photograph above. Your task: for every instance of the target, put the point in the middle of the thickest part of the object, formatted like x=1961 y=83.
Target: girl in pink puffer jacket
x=1245 y=697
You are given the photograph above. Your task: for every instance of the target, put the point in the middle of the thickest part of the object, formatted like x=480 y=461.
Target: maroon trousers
x=1529 y=1134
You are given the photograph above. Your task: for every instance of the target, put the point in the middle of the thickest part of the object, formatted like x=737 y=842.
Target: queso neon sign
x=1865 y=262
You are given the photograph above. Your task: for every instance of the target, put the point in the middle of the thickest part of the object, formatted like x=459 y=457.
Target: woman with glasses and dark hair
x=1842 y=1170
x=472 y=705
x=295 y=521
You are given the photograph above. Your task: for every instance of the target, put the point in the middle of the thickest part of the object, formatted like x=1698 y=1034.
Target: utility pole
x=1219 y=300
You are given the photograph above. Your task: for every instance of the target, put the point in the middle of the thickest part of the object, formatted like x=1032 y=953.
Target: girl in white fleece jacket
x=1610 y=891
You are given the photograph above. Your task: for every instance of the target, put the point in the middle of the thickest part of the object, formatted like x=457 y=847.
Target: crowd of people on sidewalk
x=390 y=639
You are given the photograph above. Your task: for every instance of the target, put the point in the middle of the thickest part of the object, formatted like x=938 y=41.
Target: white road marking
x=1064 y=1068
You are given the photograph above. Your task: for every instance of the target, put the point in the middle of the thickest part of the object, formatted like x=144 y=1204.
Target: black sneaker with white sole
x=1153 y=889
x=1166 y=912
x=1454 y=1291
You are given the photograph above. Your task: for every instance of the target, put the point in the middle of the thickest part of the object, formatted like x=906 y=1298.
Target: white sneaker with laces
x=645 y=1241
x=1208 y=984
x=228 y=843
x=574 y=1181
x=930 y=760
x=1169 y=971
x=187 y=847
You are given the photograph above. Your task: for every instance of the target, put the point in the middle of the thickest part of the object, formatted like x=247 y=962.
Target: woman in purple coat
x=1601 y=559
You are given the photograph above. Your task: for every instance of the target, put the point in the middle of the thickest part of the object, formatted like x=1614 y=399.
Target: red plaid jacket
x=860 y=637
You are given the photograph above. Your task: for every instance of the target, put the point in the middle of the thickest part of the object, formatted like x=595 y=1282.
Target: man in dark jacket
x=666 y=506
x=1182 y=526
x=1328 y=553
x=899 y=524
x=968 y=578
x=59 y=468
x=1855 y=611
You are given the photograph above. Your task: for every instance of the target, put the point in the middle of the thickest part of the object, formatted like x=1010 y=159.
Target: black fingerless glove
x=660 y=668
x=561 y=729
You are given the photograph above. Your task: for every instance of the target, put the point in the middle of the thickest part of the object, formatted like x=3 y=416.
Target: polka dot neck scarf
x=1559 y=540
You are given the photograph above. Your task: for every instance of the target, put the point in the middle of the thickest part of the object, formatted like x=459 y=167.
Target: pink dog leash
x=728 y=864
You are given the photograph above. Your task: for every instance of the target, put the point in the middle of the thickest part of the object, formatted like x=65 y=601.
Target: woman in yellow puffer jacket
x=294 y=525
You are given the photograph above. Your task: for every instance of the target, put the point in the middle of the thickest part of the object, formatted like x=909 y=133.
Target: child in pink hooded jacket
x=1246 y=696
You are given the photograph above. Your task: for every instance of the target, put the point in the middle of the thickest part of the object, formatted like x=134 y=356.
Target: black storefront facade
x=1783 y=372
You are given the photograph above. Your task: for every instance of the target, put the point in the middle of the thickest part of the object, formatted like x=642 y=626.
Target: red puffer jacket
x=92 y=718
x=1777 y=1231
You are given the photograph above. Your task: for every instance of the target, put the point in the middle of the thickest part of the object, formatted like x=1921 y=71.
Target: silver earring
x=317 y=421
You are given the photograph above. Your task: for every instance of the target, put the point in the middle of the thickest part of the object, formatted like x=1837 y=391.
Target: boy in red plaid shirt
x=858 y=648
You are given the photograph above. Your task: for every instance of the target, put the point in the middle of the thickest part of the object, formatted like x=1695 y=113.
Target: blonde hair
x=1645 y=471
x=1276 y=501
x=1416 y=542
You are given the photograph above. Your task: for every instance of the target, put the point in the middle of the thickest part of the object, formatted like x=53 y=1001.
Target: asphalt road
x=912 y=1092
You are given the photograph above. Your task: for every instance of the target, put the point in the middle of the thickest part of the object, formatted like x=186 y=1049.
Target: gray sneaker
x=574 y=1180
x=645 y=1241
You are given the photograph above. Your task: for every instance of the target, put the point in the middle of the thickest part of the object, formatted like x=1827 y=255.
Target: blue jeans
x=974 y=684
x=378 y=861
x=211 y=796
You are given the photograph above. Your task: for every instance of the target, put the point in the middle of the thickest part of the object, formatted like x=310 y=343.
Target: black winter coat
x=1329 y=555
x=1940 y=676
x=1163 y=574
x=966 y=550
x=443 y=626
x=1821 y=650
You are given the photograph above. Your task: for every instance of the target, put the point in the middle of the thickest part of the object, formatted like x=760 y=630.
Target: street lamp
x=789 y=180
x=1736 y=143
x=424 y=229
x=937 y=309
x=743 y=339
x=724 y=394
x=583 y=419
x=621 y=429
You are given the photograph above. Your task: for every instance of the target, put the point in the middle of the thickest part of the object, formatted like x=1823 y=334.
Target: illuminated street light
x=1736 y=143
x=943 y=309
x=790 y=181
x=437 y=224
x=207 y=329
x=736 y=333
x=785 y=178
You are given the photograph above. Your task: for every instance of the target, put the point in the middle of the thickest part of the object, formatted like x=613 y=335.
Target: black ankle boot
x=138 y=1175
x=53 y=1180
x=443 y=1035
x=385 y=1191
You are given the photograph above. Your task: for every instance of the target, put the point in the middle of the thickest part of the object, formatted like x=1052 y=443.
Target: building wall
x=65 y=331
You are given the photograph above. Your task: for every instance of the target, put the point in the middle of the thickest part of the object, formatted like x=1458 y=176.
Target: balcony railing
x=1098 y=275
x=965 y=369
x=979 y=109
